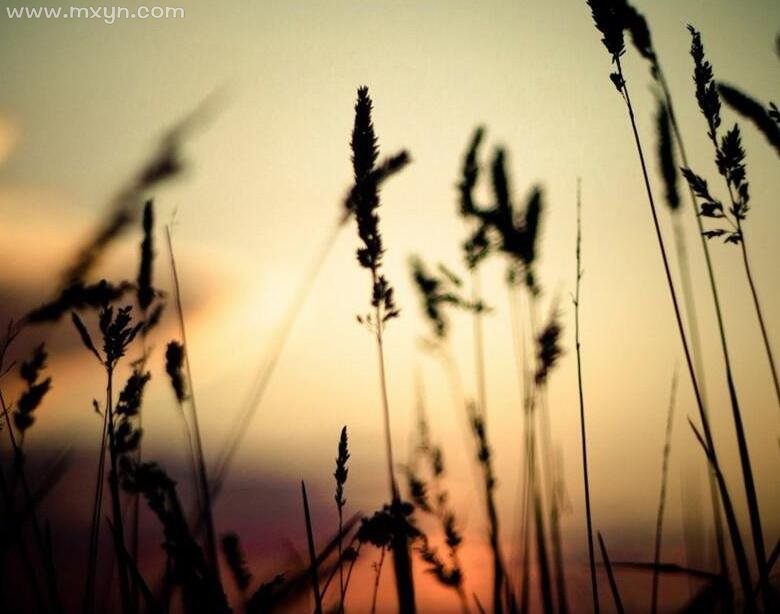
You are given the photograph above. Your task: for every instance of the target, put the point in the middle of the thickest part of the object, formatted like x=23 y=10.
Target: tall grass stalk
x=518 y=342
x=113 y=484
x=659 y=523
x=97 y=504
x=611 y=577
x=583 y=429
x=647 y=50
x=315 y=583
x=609 y=22
x=729 y=158
x=203 y=485
x=726 y=498
x=341 y=474
x=45 y=553
x=20 y=473
x=240 y=425
x=364 y=202
x=499 y=576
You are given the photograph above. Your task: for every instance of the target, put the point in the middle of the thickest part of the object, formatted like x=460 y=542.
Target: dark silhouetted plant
x=341 y=473
x=729 y=159
x=363 y=202
x=659 y=522
x=610 y=20
x=118 y=331
x=581 y=395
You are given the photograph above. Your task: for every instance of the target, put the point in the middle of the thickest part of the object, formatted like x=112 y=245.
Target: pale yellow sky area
x=81 y=102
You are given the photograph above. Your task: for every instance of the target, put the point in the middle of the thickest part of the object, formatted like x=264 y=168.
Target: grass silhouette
x=418 y=525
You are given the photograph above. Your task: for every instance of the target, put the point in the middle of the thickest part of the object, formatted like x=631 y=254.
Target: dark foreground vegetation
x=113 y=320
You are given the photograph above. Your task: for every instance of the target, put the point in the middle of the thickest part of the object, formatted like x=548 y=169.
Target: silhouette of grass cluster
x=420 y=526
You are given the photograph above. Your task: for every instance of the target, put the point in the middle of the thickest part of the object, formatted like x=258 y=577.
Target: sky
x=82 y=102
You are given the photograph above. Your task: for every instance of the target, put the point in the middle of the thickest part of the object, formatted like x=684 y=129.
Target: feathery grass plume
x=436 y=292
x=145 y=295
x=666 y=157
x=386 y=528
x=515 y=234
x=199 y=583
x=79 y=296
x=751 y=109
x=434 y=500
x=659 y=523
x=23 y=418
x=706 y=90
x=548 y=349
x=477 y=247
x=128 y=436
x=199 y=460
x=583 y=431
x=640 y=34
x=234 y=557
x=637 y=27
x=33 y=394
x=364 y=202
x=341 y=473
x=117 y=331
x=611 y=577
x=477 y=421
x=145 y=291
x=488 y=221
x=165 y=163
x=609 y=17
x=174 y=362
x=729 y=159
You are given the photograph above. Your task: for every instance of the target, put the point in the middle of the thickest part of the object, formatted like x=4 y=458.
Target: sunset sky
x=82 y=103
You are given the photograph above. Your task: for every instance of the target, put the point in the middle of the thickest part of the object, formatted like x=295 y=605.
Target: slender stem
x=481 y=410
x=611 y=576
x=136 y=497
x=385 y=404
x=553 y=493
x=479 y=344
x=693 y=327
x=341 y=566
x=662 y=497
x=46 y=555
x=113 y=483
x=402 y=562
x=739 y=551
x=583 y=432
x=689 y=302
x=97 y=504
x=747 y=472
x=23 y=552
x=750 y=489
x=376 y=579
x=759 y=312
x=518 y=343
x=717 y=521
x=349 y=572
x=315 y=584
x=211 y=547
x=744 y=456
x=545 y=583
x=266 y=370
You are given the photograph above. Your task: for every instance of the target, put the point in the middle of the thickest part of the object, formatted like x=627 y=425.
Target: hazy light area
x=82 y=102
